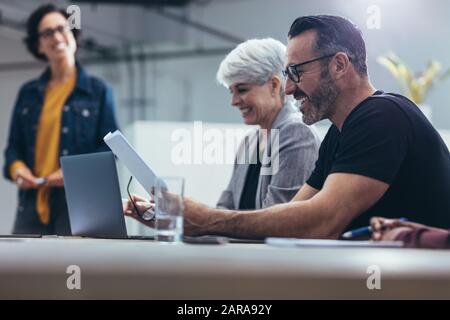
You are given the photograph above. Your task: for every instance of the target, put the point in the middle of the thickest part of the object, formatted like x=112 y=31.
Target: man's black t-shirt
x=386 y=137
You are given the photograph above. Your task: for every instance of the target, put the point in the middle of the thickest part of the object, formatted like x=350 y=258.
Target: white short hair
x=253 y=61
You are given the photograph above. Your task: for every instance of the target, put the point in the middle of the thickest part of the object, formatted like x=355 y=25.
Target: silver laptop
x=93 y=196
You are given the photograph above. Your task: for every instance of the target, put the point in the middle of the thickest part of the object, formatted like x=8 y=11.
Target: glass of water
x=168 y=196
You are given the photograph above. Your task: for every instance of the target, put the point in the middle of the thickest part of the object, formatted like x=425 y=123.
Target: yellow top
x=46 y=160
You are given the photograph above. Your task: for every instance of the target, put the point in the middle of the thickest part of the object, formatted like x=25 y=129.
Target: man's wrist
x=222 y=221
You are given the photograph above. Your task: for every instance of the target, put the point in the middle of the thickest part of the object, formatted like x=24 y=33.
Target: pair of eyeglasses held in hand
x=148 y=214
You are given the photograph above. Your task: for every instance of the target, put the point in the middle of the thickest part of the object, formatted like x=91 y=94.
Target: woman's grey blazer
x=297 y=152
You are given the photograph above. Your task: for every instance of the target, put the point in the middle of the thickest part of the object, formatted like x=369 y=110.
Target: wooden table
x=132 y=269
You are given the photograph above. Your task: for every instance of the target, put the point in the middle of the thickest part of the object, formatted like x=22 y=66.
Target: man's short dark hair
x=32 y=38
x=334 y=34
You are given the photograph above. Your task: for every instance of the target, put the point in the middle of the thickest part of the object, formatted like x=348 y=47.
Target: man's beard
x=322 y=100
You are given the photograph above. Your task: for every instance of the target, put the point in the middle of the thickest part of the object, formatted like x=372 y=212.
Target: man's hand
x=142 y=205
x=389 y=229
x=55 y=179
x=25 y=179
x=392 y=234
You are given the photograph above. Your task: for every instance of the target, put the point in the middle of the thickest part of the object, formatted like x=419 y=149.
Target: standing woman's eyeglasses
x=49 y=32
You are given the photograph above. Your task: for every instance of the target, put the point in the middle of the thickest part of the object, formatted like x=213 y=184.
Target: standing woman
x=63 y=112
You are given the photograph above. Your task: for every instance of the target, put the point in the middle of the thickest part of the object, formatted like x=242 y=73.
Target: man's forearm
x=324 y=215
x=293 y=219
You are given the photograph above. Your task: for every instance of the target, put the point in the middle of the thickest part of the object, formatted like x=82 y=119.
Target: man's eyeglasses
x=292 y=70
x=49 y=32
x=148 y=214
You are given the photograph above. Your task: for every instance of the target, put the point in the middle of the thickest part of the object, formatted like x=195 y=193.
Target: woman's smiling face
x=56 y=40
x=257 y=103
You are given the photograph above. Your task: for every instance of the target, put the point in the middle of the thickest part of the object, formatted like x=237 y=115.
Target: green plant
x=414 y=86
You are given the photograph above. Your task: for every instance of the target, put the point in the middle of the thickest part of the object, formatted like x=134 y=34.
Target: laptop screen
x=93 y=195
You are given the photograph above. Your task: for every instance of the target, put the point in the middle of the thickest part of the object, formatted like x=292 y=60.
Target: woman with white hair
x=287 y=147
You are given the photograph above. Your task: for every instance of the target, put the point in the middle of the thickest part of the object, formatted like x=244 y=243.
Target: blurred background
x=161 y=57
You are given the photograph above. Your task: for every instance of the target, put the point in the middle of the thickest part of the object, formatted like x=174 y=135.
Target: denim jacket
x=88 y=115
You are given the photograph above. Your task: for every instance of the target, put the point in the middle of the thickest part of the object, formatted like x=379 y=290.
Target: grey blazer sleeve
x=298 y=150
